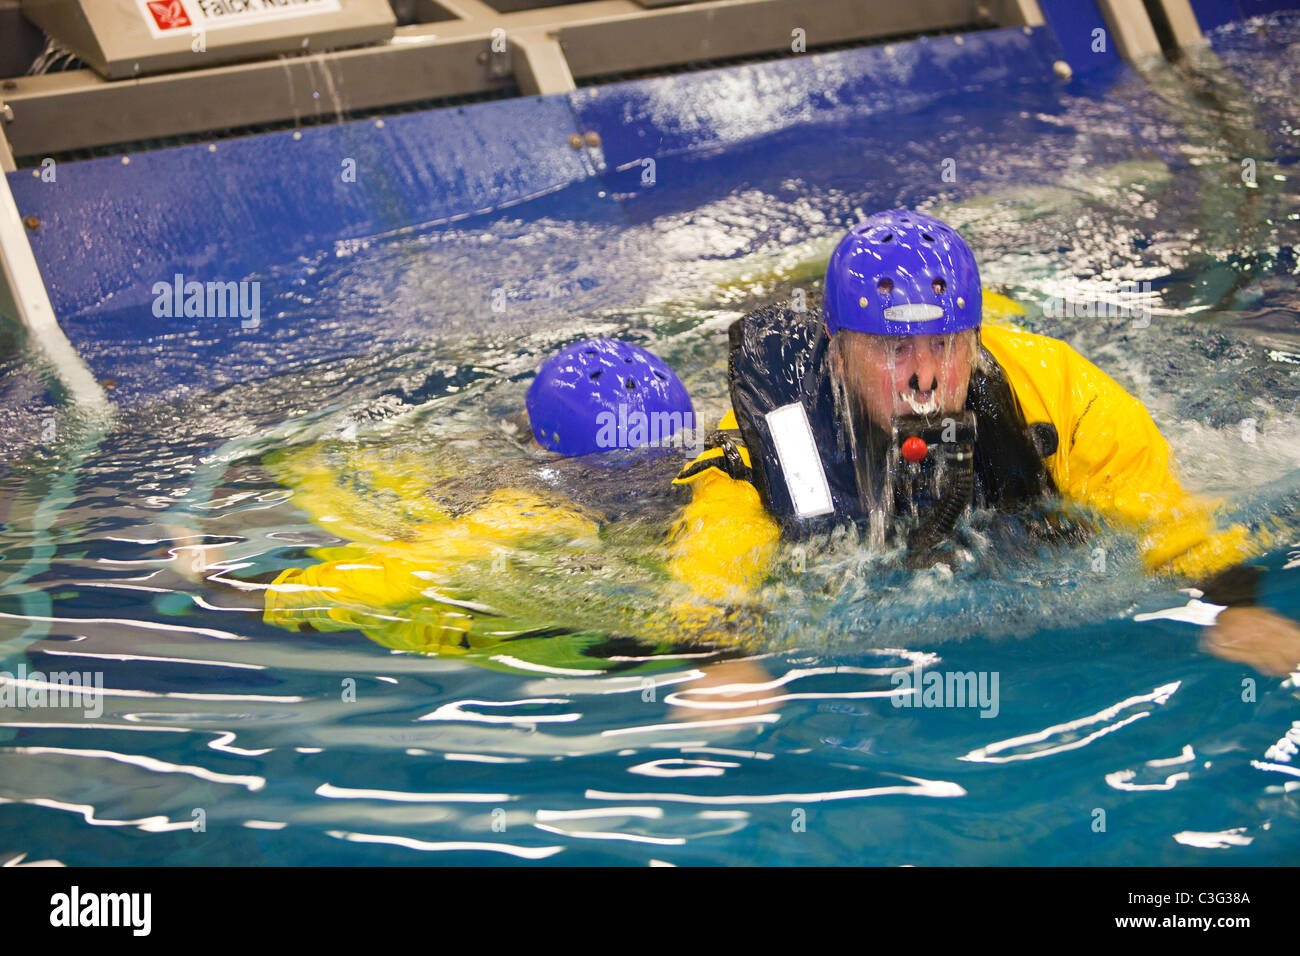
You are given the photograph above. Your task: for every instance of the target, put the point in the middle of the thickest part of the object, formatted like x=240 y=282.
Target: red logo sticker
x=169 y=14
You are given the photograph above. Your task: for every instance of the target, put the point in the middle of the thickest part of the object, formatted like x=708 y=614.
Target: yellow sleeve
x=383 y=499
x=1110 y=455
x=382 y=587
x=362 y=494
x=372 y=593
x=724 y=540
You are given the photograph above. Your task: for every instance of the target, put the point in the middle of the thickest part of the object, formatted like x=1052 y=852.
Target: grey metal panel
x=113 y=37
x=75 y=110
x=1016 y=13
x=514 y=6
x=717 y=30
x=75 y=32
x=20 y=42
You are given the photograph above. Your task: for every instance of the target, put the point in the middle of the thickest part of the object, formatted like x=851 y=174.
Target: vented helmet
x=902 y=273
x=603 y=394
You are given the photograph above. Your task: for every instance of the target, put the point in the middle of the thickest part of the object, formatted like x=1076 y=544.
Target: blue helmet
x=602 y=394
x=902 y=273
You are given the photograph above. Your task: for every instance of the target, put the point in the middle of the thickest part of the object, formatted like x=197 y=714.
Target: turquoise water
x=224 y=740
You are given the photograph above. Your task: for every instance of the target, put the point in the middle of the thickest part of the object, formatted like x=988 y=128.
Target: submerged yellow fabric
x=404 y=545
x=1110 y=457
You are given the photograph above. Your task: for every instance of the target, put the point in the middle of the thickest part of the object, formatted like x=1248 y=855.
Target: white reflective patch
x=1193 y=612
x=916 y=312
x=796 y=449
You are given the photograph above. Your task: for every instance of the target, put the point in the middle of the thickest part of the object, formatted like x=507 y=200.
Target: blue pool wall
x=113 y=228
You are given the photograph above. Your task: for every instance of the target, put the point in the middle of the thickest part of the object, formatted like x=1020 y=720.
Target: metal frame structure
x=463 y=48
x=1130 y=22
x=478 y=51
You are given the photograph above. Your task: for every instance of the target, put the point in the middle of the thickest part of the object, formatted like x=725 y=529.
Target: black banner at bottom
x=331 y=905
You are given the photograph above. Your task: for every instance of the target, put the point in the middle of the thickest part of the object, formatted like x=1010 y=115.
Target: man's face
x=907 y=374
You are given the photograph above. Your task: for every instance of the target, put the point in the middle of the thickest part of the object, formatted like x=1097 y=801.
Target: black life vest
x=779 y=356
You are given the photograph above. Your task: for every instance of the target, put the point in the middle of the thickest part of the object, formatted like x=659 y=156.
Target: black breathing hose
x=958 y=490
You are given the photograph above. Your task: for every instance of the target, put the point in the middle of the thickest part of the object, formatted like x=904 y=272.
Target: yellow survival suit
x=1110 y=457
x=408 y=578
x=413 y=575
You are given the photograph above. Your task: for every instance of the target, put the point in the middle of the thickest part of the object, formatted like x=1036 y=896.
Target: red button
x=914 y=449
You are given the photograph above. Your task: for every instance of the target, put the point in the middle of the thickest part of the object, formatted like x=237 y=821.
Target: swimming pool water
x=224 y=740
